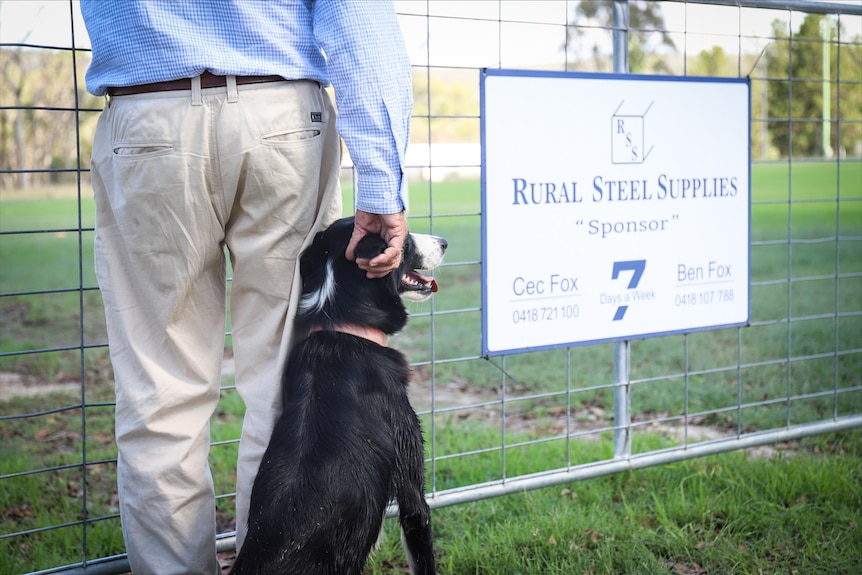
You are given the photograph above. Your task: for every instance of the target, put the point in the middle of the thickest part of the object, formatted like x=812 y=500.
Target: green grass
x=733 y=513
x=56 y=260
x=725 y=514
x=57 y=497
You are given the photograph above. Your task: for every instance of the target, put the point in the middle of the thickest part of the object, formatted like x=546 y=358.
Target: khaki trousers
x=179 y=176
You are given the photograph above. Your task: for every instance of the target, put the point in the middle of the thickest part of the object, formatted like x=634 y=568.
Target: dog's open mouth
x=414 y=281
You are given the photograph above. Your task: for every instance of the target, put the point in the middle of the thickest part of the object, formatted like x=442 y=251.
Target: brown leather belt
x=207 y=81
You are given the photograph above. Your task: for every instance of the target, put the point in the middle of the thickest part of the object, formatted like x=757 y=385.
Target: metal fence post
x=622 y=401
x=622 y=388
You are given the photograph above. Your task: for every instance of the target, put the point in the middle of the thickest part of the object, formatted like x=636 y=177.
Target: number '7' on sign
x=635 y=266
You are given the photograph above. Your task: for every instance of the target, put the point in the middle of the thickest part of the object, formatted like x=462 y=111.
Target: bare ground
x=477 y=403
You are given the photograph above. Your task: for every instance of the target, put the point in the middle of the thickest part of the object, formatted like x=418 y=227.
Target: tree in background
x=787 y=90
x=37 y=130
x=446 y=106
x=646 y=31
x=712 y=62
x=795 y=67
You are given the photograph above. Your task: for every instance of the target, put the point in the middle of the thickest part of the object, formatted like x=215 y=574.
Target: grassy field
x=795 y=512
x=731 y=514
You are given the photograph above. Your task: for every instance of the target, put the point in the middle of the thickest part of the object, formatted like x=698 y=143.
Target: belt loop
x=197 y=100
x=232 y=94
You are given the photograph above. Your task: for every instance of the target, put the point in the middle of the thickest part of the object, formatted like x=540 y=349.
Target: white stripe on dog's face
x=316 y=300
x=430 y=249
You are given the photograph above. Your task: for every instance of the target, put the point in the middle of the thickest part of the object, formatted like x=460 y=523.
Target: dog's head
x=336 y=292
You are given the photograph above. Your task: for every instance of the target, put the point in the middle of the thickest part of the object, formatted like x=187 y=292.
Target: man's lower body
x=177 y=176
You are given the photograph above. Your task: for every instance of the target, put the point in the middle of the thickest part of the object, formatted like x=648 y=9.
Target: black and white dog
x=348 y=440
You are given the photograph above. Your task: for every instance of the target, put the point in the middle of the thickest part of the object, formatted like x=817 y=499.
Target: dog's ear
x=370 y=246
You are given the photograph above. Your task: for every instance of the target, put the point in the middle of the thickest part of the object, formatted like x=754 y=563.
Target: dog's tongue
x=427 y=280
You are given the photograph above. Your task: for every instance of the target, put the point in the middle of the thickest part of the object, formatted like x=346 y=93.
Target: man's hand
x=392 y=228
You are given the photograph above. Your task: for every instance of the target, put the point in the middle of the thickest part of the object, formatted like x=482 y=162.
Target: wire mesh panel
x=493 y=425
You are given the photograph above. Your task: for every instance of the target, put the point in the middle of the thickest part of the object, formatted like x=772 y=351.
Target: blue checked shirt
x=356 y=46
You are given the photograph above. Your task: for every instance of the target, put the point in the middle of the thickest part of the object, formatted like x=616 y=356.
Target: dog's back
x=318 y=506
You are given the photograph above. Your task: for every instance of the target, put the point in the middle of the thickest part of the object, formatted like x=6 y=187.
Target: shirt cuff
x=378 y=194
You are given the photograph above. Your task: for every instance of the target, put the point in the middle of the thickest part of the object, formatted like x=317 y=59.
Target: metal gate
x=494 y=425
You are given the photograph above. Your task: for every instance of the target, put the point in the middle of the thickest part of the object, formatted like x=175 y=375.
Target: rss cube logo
x=628 y=138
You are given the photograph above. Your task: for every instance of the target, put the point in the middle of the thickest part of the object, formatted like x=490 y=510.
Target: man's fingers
x=388 y=260
x=359 y=232
x=392 y=228
x=381 y=264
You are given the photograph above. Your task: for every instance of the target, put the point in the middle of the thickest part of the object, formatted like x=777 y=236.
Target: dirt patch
x=456 y=393
x=484 y=405
x=16 y=385
x=467 y=401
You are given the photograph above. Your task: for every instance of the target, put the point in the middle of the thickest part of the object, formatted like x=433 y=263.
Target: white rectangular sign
x=614 y=207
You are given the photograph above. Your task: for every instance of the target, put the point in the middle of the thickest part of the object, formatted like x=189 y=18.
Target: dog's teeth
x=414 y=280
